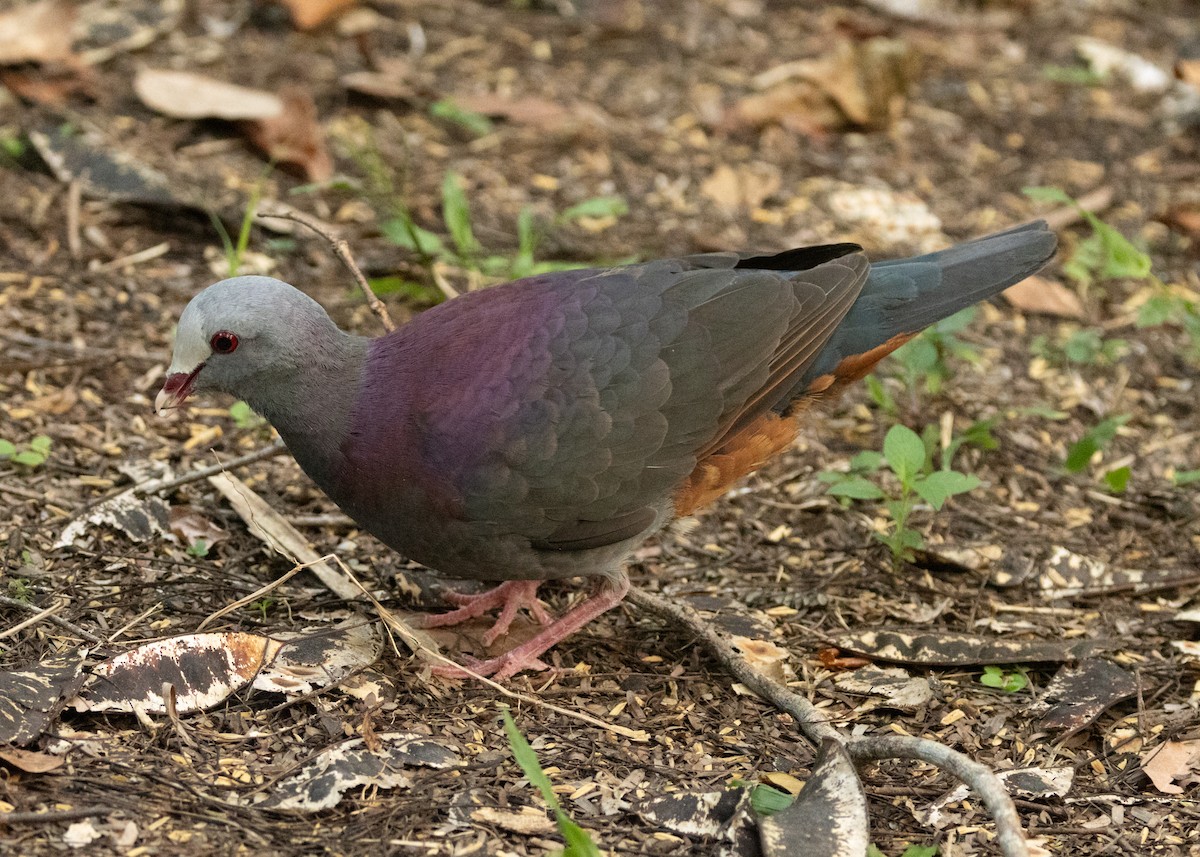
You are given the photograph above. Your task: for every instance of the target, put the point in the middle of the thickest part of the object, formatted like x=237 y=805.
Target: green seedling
x=908 y=457
x=1007 y=679
x=243 y=416
x=1105 y=255
x=1081 y=452
x=1181 y=478
x=910 y=851
x=31 y=455
x=19 y=589
x=578 y=842
x=924 y=364
x=262 y=605
x=235 y=251
x=473 y=123
x=199 y=548
x=1082 y=346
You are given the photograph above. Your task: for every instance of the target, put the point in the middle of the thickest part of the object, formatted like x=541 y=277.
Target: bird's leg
x=608 y=594
x=509 y=596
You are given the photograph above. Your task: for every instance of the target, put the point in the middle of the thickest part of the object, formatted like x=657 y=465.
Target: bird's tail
x=903 y=296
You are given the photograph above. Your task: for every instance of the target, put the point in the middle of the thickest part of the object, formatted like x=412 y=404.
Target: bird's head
x=238 y=334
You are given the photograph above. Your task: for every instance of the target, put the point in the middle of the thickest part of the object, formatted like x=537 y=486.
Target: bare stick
x=154 y=486
x=1093 y=202
x=815 y=726
x=341 y=249
x=50 y=617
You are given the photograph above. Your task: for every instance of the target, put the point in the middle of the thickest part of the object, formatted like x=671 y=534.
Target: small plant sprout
x=908 y=457
x=243 y=417
x=1081 y=452
x=32 y=454
x=579 y=842
x=199 y=548
x=1007 y=679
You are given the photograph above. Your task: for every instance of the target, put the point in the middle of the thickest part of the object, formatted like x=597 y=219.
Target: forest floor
x=720 y=124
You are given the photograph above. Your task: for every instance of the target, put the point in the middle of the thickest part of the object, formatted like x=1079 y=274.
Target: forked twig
x=816 y=727
x=341 y=248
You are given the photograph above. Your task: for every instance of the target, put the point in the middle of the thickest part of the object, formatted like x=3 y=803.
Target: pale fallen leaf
x=310 y=14
x=1108 y=59
x=828 y=818
x=764 y=656
x=1172 y=761
x=320 y=784
x=312 y=660
x=527 y=820
x=186 y=95
x=203 y=670
x=1188 y=70
x=391 y=78
x=1043 y=296
x=36 y=32
x=81 y=834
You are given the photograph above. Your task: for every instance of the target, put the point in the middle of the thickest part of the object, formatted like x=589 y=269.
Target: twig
x=341 y=248
x=51 y=816
x=252 y=597
x=47 y=613
x=57 y=620
x=816 y=727
x=74 y=196
x=154 y=486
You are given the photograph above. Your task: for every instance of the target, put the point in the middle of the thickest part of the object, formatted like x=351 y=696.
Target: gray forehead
x=248 y=303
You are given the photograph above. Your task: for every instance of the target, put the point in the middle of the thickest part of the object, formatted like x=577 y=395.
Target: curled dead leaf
x=294 y=136
x=1043 y=296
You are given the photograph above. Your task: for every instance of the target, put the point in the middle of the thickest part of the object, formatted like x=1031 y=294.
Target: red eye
x=224 y=342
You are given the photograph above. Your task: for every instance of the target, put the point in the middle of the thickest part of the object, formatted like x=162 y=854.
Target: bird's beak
x=176 y=389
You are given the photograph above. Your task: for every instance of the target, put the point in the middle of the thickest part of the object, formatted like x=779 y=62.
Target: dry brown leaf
x=310 y=14
x=391 y=78
x=1043 y=296
x=741 y=189
x=1188 y=71
x=294 y=137
x=857 y=84
x=37 y=32
x=526 y=820
x=30 y=761
x=1174 y=760
x=1185 y=218
x=191 y=526
x=185 y=95
x=764 y=656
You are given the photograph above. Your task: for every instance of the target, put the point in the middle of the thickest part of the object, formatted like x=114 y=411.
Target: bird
x=543 y=429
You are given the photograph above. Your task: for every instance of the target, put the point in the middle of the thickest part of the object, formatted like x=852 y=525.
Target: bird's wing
x=569 y=411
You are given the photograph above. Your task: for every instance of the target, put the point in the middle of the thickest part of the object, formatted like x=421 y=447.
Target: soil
x=982 y=112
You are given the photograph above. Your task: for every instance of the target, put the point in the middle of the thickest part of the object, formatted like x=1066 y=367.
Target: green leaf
x=1080 y=453
x=476 y=123
x=528 y=761
x=939 y=486
x=597 y=206
x=402 y=232
x=198 y=548
x=456 y=212
x=1121 y=258
x=872 y=851
x=1049 y=194
x=1117 y=479
x=992 y=677
x=880 y=395
x=7 y=449
x=905 y=452
x=856 y=488
x=867 y=461
x=767 y=800
x=920 y=851
x=1156 y=311
x=1185 y=477
x=41 y=444
x=29 y=458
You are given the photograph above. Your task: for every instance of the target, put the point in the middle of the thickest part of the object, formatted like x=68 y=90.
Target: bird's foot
x=510 y=596
x=527 y=656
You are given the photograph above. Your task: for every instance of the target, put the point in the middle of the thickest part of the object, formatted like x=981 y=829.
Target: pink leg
x=526 y=656
x=509 y=596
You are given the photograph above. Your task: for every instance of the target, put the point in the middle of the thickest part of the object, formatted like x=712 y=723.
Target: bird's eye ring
x=223 y=342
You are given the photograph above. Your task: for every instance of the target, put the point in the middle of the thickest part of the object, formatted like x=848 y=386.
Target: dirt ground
x=652 y=102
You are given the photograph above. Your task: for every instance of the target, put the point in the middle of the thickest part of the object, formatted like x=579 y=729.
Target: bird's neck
x=311 y=403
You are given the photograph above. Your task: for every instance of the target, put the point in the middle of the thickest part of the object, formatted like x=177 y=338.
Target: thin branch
x=341 y=249
x=155 y=486
x=50 y=617
x=816 y=727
